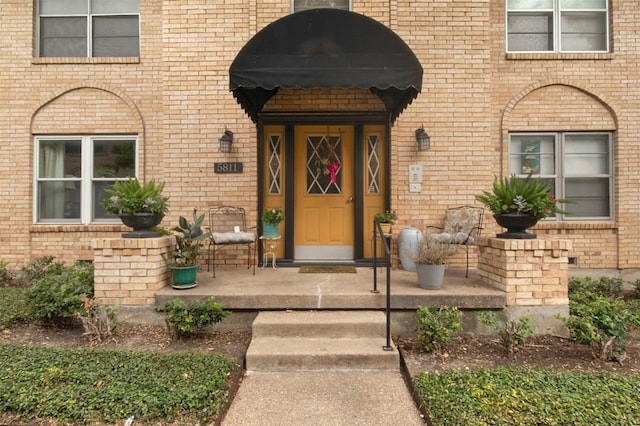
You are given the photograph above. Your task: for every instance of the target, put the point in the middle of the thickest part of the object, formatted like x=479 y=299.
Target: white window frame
x=560 y=175
x=89 y=16
x=86 y=178
x=557 y=27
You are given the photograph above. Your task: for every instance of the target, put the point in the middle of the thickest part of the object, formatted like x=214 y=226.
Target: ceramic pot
x=141 y=224
x=408 y=247
x=516 y=225
x=184 y=276
x=270 y=230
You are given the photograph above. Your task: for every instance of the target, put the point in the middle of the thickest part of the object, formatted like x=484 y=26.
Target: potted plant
x=430 y=261
x=140 y=207
x=386 y=219
x=189 y=241
x=271 y=219
x=518 y=203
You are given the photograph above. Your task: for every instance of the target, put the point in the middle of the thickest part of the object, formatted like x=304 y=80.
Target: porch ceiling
x=325 y=48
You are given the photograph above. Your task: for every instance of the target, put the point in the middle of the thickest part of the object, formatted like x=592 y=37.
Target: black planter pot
x=141 y=224
x=516 y=225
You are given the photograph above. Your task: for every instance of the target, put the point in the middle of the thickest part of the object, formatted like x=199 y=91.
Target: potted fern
x=139 y=206
x=519 y=203
x=189 y=241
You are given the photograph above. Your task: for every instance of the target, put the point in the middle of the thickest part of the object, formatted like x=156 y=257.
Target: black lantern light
x=226 y=140
x=423 y=140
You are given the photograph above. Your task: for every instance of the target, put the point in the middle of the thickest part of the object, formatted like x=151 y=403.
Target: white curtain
x=52 y=193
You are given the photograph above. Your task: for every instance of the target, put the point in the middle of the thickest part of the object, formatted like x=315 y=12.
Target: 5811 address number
x=227 y=167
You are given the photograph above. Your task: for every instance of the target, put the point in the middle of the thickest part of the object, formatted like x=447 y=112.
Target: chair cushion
x=232 y=237
x=465 y=220
x=455 y=238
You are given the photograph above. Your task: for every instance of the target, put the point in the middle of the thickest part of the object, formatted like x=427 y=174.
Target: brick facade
x=176 y=99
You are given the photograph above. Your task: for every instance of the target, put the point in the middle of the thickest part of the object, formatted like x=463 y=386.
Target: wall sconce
x=225 y=141
x=423 y=139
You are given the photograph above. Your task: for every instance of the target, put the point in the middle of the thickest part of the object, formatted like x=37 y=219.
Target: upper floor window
x=578 y=167
x=300 y=5
x=72 y=173
x=89 y=28
x=557 y=26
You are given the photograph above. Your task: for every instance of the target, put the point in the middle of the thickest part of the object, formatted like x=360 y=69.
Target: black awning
x=325 y=48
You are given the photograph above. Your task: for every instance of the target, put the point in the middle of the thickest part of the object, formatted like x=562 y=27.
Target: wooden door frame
x=358 y=121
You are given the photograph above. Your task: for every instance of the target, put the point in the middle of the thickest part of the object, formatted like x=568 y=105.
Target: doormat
x=327 y=270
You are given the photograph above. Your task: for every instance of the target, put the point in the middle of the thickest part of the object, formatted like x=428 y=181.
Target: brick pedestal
x=533 y=273
x=128 y=271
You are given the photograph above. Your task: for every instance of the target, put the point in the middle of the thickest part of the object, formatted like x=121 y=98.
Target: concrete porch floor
x=286 y=288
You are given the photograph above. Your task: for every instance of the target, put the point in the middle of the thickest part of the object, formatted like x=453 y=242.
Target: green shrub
x=512 y=333
x=57 y=294
x=588 y=287
x=436 y=324
x=40 y=268
x=599 y=317
x=188 y=317
x=107 y=386
x=518 y=397
x=12 y=306
x=5 y=274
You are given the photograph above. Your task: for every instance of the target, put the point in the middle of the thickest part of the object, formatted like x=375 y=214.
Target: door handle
x=350 y=200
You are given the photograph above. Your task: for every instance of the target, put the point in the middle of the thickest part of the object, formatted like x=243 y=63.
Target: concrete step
x=320 y=341
x=340 y=324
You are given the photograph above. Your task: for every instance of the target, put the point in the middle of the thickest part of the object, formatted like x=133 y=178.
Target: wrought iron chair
x=462 y=225
x=228 y=228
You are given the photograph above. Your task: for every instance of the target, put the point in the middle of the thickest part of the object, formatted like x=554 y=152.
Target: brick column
x=533 y=273
x=128 y=271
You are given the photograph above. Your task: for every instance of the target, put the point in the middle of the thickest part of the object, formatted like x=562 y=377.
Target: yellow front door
x=323 y=191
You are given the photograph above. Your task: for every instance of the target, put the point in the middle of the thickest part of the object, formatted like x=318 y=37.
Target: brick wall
x=531 y=272
x=176 y=98
x=128 y=271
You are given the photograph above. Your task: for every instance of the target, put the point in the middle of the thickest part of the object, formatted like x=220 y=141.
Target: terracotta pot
x=516 y=225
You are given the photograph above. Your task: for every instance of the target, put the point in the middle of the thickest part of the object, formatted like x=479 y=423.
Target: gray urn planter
x=430 y=277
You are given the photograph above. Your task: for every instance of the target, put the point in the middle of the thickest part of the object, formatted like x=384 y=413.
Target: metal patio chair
x=228 y=228
x=462 y=225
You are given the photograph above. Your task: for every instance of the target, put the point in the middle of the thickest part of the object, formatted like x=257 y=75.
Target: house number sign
x=227 y=167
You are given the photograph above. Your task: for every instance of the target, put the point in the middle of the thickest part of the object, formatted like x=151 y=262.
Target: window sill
x=572 y=226
x=108 y=60
x=582 y=56
x=76 y=227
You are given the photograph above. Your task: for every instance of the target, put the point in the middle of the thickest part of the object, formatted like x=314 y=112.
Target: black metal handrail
x=377 y=229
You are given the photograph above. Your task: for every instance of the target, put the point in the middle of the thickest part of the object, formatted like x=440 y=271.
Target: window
x=73 y=172
x=557 y=26
x=89 y=28
x=576 y=165
x=300 y=5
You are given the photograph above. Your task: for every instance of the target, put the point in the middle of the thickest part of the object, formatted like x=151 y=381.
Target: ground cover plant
x=515 y=396
x=109 y=386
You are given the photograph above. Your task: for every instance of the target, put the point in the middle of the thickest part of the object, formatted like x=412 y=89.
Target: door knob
x=350 y=200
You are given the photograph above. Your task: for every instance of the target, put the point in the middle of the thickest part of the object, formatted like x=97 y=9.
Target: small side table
x=269 y=246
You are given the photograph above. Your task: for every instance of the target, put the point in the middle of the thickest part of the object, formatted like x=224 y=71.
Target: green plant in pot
x=189 y=241
x=271 y=219
x=518 y=203
x=139 y=206
x=430 y=261
x=386 y=219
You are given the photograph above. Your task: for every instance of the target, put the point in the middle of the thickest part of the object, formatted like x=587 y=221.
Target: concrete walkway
x=323 y=398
